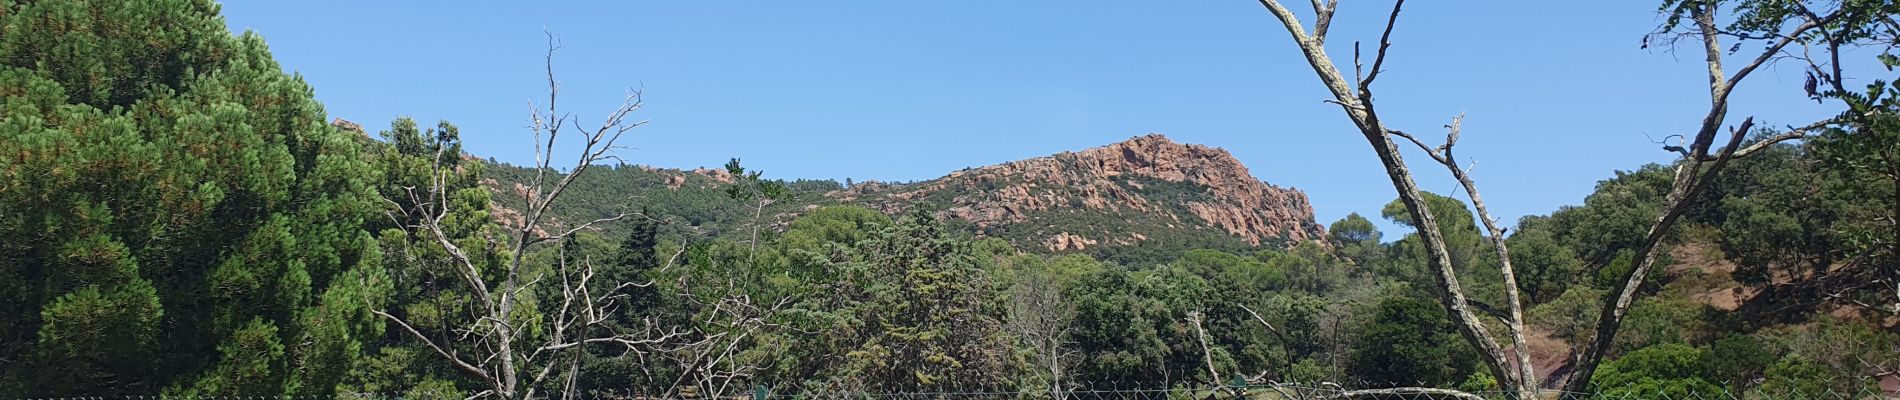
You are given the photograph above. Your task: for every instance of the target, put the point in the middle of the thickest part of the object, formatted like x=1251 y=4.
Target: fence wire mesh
x=1111 y=392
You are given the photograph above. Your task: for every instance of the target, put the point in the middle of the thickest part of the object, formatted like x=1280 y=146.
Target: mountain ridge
x=1128 y=178
x=1147 y=191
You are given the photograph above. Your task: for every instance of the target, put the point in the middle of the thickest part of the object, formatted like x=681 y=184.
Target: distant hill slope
x=1144 y=189
x=1145 y=195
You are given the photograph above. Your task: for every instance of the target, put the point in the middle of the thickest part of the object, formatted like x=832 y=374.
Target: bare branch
x=1359 y=107
x=1378 y=61
x=580 y=320
x=1315 y=54
x=1690 y=176
x=1689 y=181
x=581 y=227
x=1792 y=134
x=1771 y=51
x=1194 y=318
x=1323 y=18
x=1429 y=151
x=1286 y=346
x=464 y=366
x=1404 y=391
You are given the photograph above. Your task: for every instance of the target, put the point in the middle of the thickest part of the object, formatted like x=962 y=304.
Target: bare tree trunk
x=1206 y=354
x=1891 y=269
x=1514 y=317
x=1415 y=393
x=1039 y=315
x=498 y=352
x=1452 y=295
x=1690 y=178
x=1360 y=108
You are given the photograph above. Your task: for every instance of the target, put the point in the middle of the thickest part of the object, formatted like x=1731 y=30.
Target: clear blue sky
x=1558 y=94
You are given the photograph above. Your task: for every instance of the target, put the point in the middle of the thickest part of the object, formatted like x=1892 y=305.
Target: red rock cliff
x=1208 y=189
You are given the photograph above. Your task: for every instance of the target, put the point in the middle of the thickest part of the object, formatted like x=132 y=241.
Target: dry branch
x=1357 y=102
x=499 y=348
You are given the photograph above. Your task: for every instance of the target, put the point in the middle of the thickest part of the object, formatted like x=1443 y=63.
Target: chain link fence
x=1115 y=392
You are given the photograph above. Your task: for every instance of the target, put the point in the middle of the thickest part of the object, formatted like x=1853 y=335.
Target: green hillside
x=180 y=217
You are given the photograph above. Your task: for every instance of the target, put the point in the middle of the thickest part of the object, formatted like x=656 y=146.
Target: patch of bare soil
x=1548 y=353
x=1707 y=278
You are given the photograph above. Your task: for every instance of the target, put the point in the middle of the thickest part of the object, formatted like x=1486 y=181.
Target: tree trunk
x=1358 y=106
x=1452 y=296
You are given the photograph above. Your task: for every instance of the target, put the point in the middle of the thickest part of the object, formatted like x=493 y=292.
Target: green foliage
x=252 y=361
x=180 y=220
x=929 y=322
x=749 y=186
x=835 y=224
x=1295 y=347
x=1248 y=274
x=1545 y=267
x=1480 y=381
x=1353 y=229
x=162 y=175
x=1785 y=361
x=1616 y=216
x=93 y=337
x=109 y=54
x=1777 y=214
x=1572 y=316
x=1865 y=155
x=1411 y=343
x=426 y=286
x=1662 y=320
x=1829 y=354
x=1669 y=370
x=1131 y=329
x=1793 y=375
x=688 y=203
x=394 y=369
x=1356 y=240
x=1307 y=267
x=1410 y=260
x=1736 y=360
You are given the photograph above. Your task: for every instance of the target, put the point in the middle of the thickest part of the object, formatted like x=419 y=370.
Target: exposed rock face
x=719 y=175
x=348 y=126
x=1065 y=241
x=1136 y=199
x=1146 y=178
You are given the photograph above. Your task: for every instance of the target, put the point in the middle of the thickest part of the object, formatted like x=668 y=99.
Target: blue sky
x=1557 y=94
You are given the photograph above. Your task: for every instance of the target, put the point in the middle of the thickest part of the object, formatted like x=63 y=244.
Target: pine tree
x=177 y=211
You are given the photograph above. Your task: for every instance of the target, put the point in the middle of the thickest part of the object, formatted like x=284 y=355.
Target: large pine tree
x=178 y=217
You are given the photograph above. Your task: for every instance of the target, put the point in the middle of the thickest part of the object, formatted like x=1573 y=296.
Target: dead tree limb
x=1513 y=314
x=1693 y=172
x=1356 y=100
x=1404 y=392
x=490 y=348
x=1286 y=349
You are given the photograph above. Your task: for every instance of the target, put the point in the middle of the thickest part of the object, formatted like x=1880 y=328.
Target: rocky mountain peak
x=1142 y=184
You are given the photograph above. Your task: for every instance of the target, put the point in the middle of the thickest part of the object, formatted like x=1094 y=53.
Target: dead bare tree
x=1697 y=167
x=1700 y=161
x=709 y=359
x=1039 y=315
x=1355 y=98
x=499 y=353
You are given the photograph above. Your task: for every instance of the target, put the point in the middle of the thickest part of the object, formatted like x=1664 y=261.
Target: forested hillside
x=179 y=217
x=1140 y=201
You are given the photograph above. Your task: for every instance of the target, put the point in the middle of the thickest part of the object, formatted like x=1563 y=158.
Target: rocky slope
x=1124 y=193
x=1147 y=193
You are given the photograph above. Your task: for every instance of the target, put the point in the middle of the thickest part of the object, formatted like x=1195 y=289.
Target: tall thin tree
x=1701 y=159
x=506 y=360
